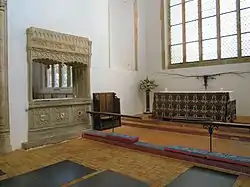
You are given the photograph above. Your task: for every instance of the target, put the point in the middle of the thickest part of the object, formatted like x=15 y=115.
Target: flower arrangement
x=147 y=85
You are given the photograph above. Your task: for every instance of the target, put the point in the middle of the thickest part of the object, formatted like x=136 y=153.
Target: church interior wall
x=113 y=62
x=109 y=25
x=238 y=84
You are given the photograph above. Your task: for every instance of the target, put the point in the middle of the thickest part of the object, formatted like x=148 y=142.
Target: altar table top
x=231 y=93
x=203 y=91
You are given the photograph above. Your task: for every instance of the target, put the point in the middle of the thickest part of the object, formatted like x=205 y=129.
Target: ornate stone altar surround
x=54 y=120
x=4 y=100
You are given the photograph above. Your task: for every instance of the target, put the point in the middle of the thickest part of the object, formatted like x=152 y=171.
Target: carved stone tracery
x=50 y=46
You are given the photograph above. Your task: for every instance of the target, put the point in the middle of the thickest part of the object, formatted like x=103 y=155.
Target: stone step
x=187 y=129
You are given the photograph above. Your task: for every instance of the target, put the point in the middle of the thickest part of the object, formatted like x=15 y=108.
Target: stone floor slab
x=54 y=175
x=110 y=179
x=197 y=177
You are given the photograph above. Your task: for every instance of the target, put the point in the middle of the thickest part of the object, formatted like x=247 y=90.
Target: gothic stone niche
x=59 y=86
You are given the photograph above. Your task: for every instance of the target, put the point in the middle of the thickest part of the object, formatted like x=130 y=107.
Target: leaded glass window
x=209 y=30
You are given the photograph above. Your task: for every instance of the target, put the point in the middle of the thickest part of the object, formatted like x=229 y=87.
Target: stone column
x=88 y=74
x=4 y=94
x=87 y=77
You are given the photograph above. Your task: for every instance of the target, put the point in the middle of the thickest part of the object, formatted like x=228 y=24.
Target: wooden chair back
x=106 y=102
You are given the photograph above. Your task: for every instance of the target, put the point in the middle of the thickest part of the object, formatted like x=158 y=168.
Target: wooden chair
x=106 y=102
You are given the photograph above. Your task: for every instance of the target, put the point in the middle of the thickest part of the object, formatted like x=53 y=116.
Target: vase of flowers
x=147 y=86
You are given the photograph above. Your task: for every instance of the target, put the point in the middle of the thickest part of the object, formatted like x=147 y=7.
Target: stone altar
x=217 y=105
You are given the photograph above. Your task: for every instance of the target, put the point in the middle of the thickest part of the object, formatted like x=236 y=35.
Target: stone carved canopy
x=49 y=47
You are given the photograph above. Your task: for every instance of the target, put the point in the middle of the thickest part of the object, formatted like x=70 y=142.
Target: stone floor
x=152 y=169
x=188 y=140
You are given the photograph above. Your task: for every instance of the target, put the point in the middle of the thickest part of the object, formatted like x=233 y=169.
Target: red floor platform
x=225 y=161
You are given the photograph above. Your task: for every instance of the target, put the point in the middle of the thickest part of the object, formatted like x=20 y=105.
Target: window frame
x=200 y=62
x=54 y=89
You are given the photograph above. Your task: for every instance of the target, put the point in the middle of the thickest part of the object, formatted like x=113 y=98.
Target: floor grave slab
x=50 y=176
x=110 y=179
x=197 y=177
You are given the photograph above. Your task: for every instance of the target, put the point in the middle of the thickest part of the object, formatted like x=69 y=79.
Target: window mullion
x=53 y=78
x=200 y=30
x=184 y=31
x=60 y=74
x=218 y=28
x=162 y=17
x=136 y=25
x=169 y=32
x=238 y=28
x=68 y=76
x=45 y=71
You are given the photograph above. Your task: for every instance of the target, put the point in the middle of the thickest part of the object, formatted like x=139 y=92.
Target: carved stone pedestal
x=5 y=146
x=55 y=121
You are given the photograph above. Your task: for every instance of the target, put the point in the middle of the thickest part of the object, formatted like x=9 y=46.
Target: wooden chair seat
x=106 y=117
